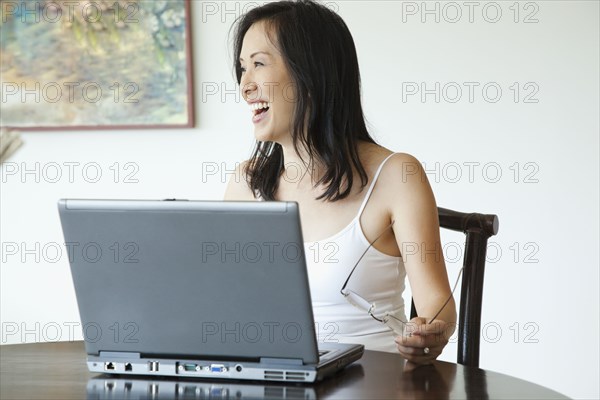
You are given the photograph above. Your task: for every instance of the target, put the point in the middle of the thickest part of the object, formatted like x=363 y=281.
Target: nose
x=249 y=89
x=247 y=86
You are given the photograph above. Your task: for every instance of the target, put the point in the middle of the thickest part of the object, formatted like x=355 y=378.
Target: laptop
x=202 y=289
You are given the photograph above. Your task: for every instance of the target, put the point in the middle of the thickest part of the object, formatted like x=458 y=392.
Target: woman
x=297 y=67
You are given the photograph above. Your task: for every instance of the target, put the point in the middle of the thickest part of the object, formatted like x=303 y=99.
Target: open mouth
x=259 y=107
x=259 y=111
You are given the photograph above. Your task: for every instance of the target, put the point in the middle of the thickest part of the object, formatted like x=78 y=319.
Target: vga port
x=218 y=368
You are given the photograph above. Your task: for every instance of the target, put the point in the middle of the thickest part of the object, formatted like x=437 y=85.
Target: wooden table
x=58 y=371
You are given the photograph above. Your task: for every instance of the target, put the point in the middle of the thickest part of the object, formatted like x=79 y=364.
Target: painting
x=95 y=64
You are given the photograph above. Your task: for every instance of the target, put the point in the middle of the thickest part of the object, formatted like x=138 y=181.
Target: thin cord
x=361 y=257
x=365 y=252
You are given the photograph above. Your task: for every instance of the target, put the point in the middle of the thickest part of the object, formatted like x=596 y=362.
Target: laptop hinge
x=119 y=354
x=287 y=361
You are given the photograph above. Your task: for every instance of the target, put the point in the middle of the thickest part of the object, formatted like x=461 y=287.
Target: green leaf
x=77 y=31
x=160 y=55
x=93 y=38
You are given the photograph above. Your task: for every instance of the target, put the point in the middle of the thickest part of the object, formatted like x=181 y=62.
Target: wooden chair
x=478 y=228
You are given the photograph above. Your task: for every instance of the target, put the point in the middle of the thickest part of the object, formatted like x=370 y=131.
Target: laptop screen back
x=195 y=279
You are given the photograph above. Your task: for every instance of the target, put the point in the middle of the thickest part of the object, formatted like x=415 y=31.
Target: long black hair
x=320 y=55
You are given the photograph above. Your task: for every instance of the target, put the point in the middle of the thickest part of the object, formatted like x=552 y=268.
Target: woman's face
x=265 y=81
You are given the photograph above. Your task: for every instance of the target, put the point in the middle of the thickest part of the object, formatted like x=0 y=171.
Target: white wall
x=541 y=299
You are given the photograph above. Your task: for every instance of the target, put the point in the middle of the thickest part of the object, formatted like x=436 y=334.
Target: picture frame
x=96 y=65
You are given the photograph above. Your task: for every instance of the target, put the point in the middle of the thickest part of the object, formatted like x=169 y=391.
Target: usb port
x=153 y=366
x=217 y=368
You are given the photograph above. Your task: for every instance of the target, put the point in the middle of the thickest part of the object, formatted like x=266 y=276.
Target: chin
x=265 y=134
x=262 y=136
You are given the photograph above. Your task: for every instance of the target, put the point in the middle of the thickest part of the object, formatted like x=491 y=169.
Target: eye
x=256 y=64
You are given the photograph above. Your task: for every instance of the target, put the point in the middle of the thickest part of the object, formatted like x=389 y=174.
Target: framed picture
x=96 y=64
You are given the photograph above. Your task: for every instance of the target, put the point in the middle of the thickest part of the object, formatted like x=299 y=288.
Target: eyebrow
x=255 y=53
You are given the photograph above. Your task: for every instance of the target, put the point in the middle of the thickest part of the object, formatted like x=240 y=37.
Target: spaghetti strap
x=366 y=199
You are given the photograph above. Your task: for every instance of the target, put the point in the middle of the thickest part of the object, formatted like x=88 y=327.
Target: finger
x=420 y=351
x=413 y=325
x=412 y=341
x=418 y=358
x=431 y=340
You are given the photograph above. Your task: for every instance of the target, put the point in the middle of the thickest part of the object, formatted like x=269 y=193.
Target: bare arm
x=417 y=233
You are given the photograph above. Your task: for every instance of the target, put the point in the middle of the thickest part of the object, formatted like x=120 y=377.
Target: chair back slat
x=478 y=228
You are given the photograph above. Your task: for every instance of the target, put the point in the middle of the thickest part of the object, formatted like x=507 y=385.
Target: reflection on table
x=59 y=371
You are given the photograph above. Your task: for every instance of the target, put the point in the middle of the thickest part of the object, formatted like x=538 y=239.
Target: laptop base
x=335 y=357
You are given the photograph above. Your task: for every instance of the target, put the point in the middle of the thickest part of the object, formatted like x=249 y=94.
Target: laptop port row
x=214 y=368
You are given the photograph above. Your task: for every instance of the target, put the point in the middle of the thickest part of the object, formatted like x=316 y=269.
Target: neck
x=298 y=168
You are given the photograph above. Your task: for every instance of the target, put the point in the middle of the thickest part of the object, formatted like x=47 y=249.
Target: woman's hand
x=422 y=342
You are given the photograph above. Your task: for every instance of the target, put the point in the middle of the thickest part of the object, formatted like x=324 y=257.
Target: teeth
x=256 y=106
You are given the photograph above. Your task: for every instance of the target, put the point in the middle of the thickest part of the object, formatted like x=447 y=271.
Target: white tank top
x=379 y=278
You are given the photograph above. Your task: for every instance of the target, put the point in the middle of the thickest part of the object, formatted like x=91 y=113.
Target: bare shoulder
x=396 y=170
x=404 y=169
x=403 y=182
x=237 y=185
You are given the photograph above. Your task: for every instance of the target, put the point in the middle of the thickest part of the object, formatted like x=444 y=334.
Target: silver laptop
x=203 y=289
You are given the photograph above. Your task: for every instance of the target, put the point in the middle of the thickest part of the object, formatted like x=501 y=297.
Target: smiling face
x=266 y=86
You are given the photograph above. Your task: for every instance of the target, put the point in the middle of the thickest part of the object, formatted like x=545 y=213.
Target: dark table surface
x=58 y=371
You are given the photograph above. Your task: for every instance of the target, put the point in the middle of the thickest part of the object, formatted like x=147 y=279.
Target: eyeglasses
x=391 y=321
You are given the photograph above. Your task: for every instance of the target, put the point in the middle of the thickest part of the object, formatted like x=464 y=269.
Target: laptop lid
x=191 y=279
